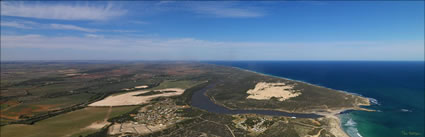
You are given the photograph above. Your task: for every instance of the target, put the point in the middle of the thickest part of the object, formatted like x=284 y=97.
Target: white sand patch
x=97 y=125
x=73 y=74
x=130 y=98
x=143 y=86
x=265 y=91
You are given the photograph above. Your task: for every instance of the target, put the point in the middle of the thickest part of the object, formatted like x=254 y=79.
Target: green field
x=41 y=106
x=184 y=84
x=72 y=123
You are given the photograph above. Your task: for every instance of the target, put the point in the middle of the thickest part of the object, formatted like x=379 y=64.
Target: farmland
x=69 y=124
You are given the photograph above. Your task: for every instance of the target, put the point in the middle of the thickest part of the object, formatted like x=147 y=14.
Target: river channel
x=200 y=100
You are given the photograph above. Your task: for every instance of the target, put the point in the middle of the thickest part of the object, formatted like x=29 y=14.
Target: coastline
x=332 y=115
x=346 y=92
x=270 y=75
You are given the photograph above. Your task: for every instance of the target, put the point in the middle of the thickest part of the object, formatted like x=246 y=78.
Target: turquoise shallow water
x=396 y=88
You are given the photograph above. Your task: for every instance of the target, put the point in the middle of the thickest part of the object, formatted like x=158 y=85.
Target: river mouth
x=200 y=100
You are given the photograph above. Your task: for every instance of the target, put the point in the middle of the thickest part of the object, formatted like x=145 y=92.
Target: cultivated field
x=69 y=124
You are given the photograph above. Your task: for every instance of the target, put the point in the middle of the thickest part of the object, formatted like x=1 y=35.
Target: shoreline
x=333 y=115
x=264 y=74
x=346 y=92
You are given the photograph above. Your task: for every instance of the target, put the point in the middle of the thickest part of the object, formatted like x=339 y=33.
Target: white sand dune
x=265 y=91
x=130 y=98
x=143 y=86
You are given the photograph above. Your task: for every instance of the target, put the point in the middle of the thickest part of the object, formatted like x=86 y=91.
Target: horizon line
x=165 y=60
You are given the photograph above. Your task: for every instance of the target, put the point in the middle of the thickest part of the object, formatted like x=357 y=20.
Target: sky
x=212 y=30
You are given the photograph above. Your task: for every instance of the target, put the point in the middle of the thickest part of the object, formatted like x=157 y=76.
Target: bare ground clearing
x=130 y=98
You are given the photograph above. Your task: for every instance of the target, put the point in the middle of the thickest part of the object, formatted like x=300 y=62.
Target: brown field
x=28 y=111
x=73 y=124
x=183 y=70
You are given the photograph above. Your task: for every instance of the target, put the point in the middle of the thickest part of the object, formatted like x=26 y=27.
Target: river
x=202 y=101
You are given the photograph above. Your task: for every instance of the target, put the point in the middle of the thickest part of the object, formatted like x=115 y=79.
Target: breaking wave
x=350 y=123
x=350 y=126
x=405 y=110
x=374 y=101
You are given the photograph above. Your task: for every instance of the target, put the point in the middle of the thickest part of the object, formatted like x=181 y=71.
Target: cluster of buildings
x=252 y=124
x=162 y=113
x=149 y=119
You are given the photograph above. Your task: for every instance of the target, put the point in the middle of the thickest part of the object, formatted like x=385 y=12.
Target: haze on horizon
x=194 y=30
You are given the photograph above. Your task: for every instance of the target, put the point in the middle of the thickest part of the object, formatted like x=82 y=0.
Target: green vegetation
x=102 y=133
x=153 y=92
x=184 y=84
x=251 y=121
x=73 y=123
x=50 y=99
x=231 y=92
x=125 y=117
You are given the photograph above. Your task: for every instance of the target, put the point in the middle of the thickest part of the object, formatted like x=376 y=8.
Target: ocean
x=396 y=89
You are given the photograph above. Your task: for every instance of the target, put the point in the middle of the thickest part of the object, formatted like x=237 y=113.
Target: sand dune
x=264 y=91
x=130 y=98
x=143 y=86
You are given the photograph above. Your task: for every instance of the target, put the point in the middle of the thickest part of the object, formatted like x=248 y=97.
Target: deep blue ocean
x=396 y=88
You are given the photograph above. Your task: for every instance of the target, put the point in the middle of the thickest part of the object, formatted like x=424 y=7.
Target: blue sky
x=194 y=30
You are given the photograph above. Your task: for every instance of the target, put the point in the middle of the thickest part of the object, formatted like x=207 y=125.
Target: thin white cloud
x=71 y=27
x=189 y=48
x=93 y=36
x=165 y=2
x=138 y=22
x=118 y=42
x=123 y=31
x=18 y=24
x=34 y=25
x=229 y=12
x=60 y=11
x=226 y=9
x=220 y=9
x=14 y=25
